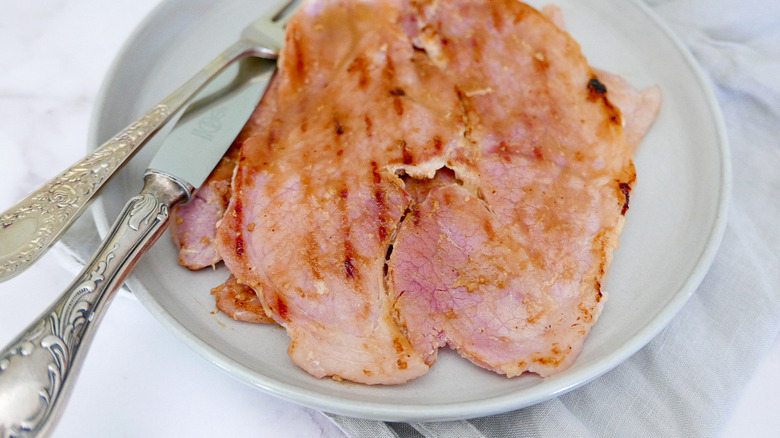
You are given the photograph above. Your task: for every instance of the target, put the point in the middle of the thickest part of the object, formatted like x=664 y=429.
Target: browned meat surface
x=240 y=302
x=510 y=275
x=194 y=225
x=639 y=107
x=431 y=173
x=316 y=199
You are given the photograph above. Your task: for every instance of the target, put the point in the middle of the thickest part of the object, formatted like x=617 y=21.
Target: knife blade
x=31 y=226
x=211 y=123
x=38 y=368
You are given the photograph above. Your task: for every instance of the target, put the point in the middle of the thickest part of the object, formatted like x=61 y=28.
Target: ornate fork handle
x=37 y=369
x=30 y=227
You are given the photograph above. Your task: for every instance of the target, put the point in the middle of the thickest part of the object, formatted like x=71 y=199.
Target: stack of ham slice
x=424 y=174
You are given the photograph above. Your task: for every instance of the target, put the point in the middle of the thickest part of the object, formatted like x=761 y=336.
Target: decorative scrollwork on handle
x=51 y=208
x=59 y=334
x=35 y=368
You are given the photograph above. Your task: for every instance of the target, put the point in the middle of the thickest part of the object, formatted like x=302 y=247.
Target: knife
x=29 y=228
x=39 y=367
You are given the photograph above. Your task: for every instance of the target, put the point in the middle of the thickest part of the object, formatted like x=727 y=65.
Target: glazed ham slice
x=240 y=302
x=427 y=174
x=511 y=275
x=316 y=200
x=194 y=225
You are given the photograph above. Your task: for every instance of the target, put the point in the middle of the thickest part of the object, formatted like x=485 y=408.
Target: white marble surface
x=138 y=379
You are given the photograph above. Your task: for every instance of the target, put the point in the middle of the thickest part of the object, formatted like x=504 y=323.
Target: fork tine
x=283 y=10
x=266 y=34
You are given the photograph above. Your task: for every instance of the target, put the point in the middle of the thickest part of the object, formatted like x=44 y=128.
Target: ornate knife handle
x=38 y=369
x=30 y=227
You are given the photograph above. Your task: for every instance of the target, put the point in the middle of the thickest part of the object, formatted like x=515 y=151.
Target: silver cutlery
x=29 y=228
x=38 y=368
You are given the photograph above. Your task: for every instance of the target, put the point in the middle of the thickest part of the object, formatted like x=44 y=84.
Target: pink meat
x=194 y=225
x=316 y=198
x=640 y=108
x=511 y=274
x=240 y=302
x=431 y=174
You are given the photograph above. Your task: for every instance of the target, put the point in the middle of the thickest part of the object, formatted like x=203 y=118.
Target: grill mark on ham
x=519 y=305
x=440 y=168
x=346 y=313
x=597 y=89
x=349 y=267
x=625 y=188
x=359 y=65
x=193 y=226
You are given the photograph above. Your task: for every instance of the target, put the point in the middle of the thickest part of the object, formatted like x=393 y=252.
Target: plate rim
x=460 y=410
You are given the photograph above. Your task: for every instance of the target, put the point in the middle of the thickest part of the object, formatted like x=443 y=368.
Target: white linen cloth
x=685 y=381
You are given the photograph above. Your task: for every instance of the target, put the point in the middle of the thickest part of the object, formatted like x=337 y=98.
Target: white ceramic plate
x=674 y=226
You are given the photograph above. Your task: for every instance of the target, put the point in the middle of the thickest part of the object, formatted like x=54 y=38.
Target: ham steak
x=316 y=197
x=240 y=302
x=511 y=275
x=194 y=225
x=425 y=174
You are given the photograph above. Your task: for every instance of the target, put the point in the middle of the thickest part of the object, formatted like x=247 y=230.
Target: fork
x=37 y=381
x=29 y=228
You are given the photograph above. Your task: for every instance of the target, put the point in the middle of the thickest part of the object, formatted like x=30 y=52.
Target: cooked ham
x=316 y=199
x=510 y=275
x=194 y=225
x=639 y=107
x=240 y=302
x=431 y=174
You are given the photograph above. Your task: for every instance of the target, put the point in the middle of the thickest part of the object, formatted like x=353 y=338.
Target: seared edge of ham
x=194 y=225
x=390 y=146
x=240 y=302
